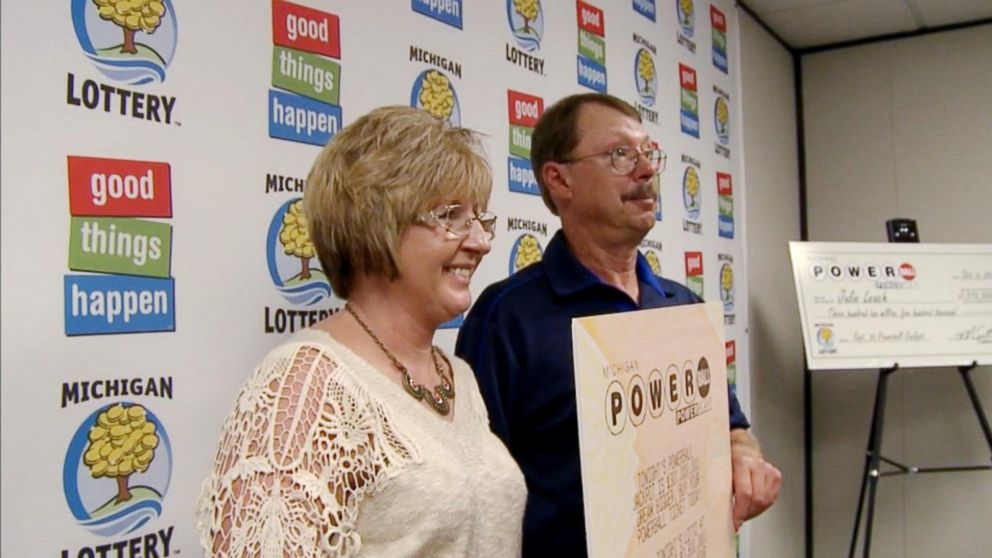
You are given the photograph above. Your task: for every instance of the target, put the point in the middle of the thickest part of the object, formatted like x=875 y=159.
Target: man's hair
x=555 y=135
x=373 y=179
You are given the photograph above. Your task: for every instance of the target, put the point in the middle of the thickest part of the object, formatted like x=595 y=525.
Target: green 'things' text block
x=306 y=74
x=520 y=141
x=695 y=284
x=690 y=101
x=118 y=245
x=592 y=46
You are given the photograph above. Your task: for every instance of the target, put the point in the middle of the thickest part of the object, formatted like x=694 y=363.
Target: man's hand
x=756 y=481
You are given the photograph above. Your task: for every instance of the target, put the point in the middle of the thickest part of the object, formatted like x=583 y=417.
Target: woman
x=359 y=437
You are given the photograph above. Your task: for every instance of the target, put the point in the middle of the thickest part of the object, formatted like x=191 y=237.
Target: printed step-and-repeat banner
x=153 y=161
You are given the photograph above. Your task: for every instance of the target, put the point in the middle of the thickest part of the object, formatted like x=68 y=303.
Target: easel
x=874 y=459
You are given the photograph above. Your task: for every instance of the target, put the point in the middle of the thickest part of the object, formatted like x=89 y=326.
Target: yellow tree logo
x=722 y=112
x=686 y=10
x=121 y=443
x=132 y=16
x=825 y=335
x=645 y=69
x=722 y=117
x=528 y=10
x=652 y=257
x=528 y=252
x=436 y=96
x=727 y=287
x=691 y=185
x=295 y=239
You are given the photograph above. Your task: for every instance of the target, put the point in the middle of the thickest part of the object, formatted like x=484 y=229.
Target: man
x=595 y=165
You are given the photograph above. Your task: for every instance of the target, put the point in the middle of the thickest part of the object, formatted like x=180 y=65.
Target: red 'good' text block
x=718 y=19
x=590 y=18
x=524 y=109
x=731 y=351
x=724 y=185
x=693 y=263
x=687 y=77
x=306 y=29
x=119 y=188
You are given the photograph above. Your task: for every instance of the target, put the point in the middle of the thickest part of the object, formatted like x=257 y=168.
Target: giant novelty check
x=868 y=305
x=651 y=390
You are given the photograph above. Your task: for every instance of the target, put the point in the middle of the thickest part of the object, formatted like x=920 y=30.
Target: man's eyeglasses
x=457 y=220
x=624 y=159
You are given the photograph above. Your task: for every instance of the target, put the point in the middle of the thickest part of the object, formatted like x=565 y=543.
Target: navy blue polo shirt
x=518 y=340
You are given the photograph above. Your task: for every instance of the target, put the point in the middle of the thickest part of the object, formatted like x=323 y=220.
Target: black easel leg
x=875 y=458
x=973 y=395
x=864 y=477
x=869 y=478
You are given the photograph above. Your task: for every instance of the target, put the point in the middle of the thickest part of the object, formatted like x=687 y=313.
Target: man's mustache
x=645 y=191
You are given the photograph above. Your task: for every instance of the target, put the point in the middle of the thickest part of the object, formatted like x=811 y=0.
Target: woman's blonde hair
x=375 y=177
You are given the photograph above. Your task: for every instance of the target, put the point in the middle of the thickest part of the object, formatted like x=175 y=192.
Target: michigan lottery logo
x=117 y=469
x=727 y=287
x=129 y=288
x=526 y=19
x=653 y=260
x=128 y=41
x=721 y=122
x=293 y=265
x=825 y=339
x=691 y=193
x=526 y=250
x=721 y=119
x=645 y=76
x=304 y=107
x=652 y=253
x=527 y=247
x=685 y=13
x=434 y=94
x=526 y=23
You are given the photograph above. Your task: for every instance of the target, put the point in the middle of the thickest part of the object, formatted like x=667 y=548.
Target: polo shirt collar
x=568 y=276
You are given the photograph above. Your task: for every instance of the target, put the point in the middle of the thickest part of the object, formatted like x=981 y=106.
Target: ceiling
x=813 y=23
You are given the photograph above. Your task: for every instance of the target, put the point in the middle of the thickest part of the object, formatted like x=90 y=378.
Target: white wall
x=900 y=129
x=771 y=173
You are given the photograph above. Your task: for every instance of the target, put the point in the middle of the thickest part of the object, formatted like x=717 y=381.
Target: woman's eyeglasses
x=457 y=220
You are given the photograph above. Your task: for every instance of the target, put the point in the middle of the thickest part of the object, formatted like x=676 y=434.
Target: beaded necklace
x=437 y=399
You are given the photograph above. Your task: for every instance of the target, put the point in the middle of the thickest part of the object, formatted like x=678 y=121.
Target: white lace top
x=325 y=456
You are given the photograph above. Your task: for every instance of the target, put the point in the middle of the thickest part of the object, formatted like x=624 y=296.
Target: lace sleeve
x=303 y=446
